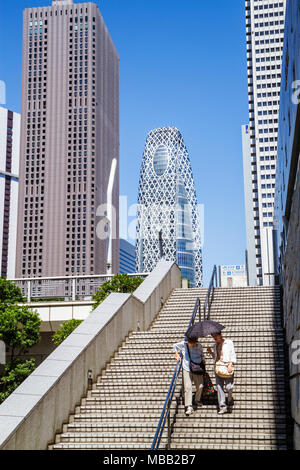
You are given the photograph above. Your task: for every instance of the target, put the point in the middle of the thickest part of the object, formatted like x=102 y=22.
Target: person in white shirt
x=224 y=351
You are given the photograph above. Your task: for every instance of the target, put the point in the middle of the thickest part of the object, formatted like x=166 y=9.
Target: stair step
x=118 y=436
x=260 y=386
x=105 y=445
x=273 y=445
x=237 y=435
x=185 y=426
x=124 y=406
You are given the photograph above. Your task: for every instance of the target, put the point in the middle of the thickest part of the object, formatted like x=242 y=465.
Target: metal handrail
x=54 y=286
x=165 y=415
x=166 y=409
x=210 y=290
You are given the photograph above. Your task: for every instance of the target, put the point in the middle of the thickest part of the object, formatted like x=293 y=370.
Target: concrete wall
x=291 y=306
x=155 y=290
x=53 y=314
x=287 y=207
x=287 y=201
x=32 y=415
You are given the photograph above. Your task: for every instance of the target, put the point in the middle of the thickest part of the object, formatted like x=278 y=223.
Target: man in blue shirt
x=191 y=350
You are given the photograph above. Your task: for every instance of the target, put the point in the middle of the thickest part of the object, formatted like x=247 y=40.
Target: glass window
x=160 y=160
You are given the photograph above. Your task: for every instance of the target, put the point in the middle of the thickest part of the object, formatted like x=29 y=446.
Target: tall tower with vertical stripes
x=9 y=182
x=264 y=34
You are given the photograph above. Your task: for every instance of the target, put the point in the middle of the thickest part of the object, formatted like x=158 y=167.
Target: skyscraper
x=9 y=181
x=69 y=162
x=168 y=223
x=264 y=33
x=127 y=257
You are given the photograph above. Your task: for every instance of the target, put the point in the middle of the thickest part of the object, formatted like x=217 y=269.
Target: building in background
x=127 y=257
x=233 y=275
x=264 y=34
x=248 y=192
x=168 y=224
x=287 y=201
x=69 y=161
x=9 y=182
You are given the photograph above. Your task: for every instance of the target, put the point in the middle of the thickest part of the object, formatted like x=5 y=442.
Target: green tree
x=9 y=292
x=67 y=328
x=19 y=329
x=119 y=283
x=14 y=376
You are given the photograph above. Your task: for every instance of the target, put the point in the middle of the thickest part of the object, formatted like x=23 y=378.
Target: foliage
x=19 y=328
x=119 y=283
x=67 y=328
x=14 y=376
x=9 y=292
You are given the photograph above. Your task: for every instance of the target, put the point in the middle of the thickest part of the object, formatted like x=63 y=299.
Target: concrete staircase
x=123 y=408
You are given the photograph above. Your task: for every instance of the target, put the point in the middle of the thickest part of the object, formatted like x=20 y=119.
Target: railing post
x=28 y=291
x=74 y=289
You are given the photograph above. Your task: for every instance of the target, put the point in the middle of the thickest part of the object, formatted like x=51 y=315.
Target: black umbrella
x=204 y=328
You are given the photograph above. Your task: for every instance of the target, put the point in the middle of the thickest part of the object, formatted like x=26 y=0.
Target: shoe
x=199 y=404
x=189 y=411
x=222 y=410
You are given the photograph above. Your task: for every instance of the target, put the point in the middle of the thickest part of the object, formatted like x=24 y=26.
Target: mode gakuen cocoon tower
x=168 y=223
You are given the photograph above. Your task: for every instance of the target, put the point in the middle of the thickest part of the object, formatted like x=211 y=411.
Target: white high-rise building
x=264 y=33
x=9 y=186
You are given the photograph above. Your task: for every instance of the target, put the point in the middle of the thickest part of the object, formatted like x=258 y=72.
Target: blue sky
x=182 y=63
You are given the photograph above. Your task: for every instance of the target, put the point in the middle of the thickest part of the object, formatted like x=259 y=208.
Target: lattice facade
x=168 y=223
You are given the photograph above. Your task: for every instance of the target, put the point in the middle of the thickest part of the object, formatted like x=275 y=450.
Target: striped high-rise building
x=264 y=34
x=69 y=159
x=9 y=182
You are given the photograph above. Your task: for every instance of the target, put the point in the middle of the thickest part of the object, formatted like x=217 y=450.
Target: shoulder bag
x=195 y=368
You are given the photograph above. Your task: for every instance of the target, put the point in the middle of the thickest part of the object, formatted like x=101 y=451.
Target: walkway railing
x=64 y=287
x=210 y=294
x=165 y=415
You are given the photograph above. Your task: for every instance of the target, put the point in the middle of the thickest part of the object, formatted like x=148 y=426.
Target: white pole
x=110 y=214
x=74 y=289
